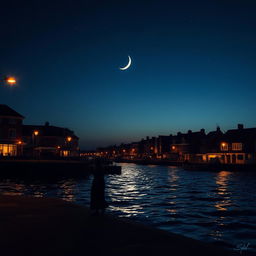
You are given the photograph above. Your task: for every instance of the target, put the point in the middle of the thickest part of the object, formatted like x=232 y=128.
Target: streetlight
x=34 y=134
x=69 y=139
x=20 y=147
x=10 y=80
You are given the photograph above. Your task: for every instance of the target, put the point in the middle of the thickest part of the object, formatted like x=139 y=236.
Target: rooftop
x=6 y=111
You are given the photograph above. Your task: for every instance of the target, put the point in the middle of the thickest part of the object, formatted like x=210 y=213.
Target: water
x=215 y=207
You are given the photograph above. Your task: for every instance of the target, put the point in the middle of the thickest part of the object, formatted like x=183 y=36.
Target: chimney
x=202 y=131
x=189 y=131
x=240 y=126
x=218 y=129
x=47 y=124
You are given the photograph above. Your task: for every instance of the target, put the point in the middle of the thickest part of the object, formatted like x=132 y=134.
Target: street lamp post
x=69 y=139
x=34 y=135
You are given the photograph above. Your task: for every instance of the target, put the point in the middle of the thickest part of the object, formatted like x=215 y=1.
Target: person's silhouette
x=98 y=203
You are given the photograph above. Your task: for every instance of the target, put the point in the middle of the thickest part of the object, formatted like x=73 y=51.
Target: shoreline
x=47 y=226
x=193 y=166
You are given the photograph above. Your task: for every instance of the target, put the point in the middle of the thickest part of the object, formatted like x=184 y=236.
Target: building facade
x=19 y=140
x=10 y=132
x=236 y=146
x=49 y=141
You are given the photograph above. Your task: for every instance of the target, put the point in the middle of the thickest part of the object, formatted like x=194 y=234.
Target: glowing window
x=237 y=146
x=8 y=150
x=65 y=153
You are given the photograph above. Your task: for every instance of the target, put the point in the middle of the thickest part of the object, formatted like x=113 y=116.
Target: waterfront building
x=19 y=140
x=47 y=141
x=10 y=132
x=148 y=148
x=163 y=146
x=236 y=146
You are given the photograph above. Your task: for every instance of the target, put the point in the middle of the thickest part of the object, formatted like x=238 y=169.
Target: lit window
x=237 y=146
x=224 y=146
x=8 y=150
x=65 y=153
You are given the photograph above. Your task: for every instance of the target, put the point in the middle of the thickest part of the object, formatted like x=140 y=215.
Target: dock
x=51 y=168
x=43 y=226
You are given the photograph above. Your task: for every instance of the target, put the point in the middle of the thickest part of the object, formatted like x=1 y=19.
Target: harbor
x=128 y=128
x=216 y=208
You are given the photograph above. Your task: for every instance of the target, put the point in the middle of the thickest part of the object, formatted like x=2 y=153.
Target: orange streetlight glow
x=69 y=139
x=11 y=80
x=36 y=133
x=19 y=142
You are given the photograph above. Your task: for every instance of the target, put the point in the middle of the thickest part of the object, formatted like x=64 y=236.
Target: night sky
x=193 y=66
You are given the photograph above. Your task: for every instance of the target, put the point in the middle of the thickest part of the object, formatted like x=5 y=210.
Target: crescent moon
x=128 y=65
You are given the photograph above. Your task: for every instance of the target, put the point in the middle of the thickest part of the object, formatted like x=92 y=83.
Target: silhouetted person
x=98 y=203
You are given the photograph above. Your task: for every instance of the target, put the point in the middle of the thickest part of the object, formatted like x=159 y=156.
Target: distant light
x=36 y=133
x=19 y=142
x=124 y=150
x=173 y=147
x=11 y=80
x=58 y=147
x=69 y=138
x=223 y=144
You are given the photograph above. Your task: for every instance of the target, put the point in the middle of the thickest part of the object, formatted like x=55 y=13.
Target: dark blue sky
x=193 y=66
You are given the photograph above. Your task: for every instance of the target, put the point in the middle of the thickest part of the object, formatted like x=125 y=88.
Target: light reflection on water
x=215 y=207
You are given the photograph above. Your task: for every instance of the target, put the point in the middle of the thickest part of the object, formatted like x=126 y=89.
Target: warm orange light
x=19 y=142
x=114 y=151
x=58 y=147
x=223 y=144
x=36 y=133
x=69 y=138
x=124 y=150
x=173 y=147
x=11 y=80
x=133 y=150
x=152 y=148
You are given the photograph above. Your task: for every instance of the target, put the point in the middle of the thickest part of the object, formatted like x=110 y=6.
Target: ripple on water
x=217 y=207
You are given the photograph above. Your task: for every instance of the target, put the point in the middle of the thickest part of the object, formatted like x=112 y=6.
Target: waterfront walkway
x=39 y=226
